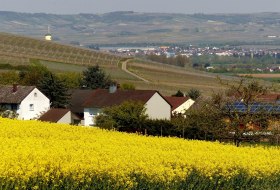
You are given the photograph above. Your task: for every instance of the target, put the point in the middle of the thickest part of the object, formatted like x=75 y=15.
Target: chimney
x=112 y=88
x=15 y=88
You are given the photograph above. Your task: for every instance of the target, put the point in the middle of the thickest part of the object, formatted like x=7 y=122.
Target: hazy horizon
x=156 y=6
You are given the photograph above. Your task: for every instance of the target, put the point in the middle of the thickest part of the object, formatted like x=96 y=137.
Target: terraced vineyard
x=18 y=50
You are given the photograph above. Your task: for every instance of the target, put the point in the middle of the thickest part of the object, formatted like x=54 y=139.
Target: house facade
x=157 y=107
x=27 y=101
x=179 y=104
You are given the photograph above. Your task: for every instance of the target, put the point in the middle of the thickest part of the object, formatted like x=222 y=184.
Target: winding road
x=124 y=65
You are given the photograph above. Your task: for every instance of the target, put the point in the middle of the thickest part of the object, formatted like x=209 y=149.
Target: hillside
x=18 y=50
x=146 y=28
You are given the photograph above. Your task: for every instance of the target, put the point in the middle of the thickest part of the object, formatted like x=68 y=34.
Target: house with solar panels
x=268 y=104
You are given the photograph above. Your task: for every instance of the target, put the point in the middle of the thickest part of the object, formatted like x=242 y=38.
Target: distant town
x=273 y=54
x=171 y=51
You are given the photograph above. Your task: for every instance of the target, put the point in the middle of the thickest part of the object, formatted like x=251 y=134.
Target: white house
x=156 y=105
x=179 y=104
x=27 y=101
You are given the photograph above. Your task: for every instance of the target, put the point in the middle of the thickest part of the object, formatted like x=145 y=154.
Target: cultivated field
x=169 y=79
x=36 y=155
x=18 y=50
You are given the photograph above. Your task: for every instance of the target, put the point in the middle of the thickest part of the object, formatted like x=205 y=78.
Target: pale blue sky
x=164 y=6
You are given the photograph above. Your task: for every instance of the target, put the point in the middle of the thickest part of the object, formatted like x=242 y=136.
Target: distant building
x=48 y=36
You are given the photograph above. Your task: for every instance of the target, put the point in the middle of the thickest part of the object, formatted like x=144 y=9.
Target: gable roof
x=54 y=115
x=14 y=94
x=77 y=99
x=101 y=98
x=175 y=102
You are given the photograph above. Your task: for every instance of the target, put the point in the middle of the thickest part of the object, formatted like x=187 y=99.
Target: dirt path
x=124 y=68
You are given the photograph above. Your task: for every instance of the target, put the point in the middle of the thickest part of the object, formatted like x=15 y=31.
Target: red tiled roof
x=272 y=98
x=8 y=96
x=103 y=98
x=175 y=102
x=54 y=115
x=77 y=99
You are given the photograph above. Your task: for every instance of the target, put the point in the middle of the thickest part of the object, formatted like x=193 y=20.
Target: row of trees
x=214 y=118
x=192 y=93
x=179 y=60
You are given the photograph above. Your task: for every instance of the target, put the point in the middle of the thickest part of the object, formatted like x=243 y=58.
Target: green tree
x=194 y=93
x=241 y=122
x=218 y=117
x=94 y=77
x=8 y=78
x=178 y=94
x=72 y=79
x=55 y=89
x=128 y=116
x=33 y=74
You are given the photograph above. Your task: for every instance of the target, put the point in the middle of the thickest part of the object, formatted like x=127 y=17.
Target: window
x=31 y=107
x=14 y=106
x=35 y=94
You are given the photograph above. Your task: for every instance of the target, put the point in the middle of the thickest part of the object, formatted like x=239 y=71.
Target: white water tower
x=48 y=36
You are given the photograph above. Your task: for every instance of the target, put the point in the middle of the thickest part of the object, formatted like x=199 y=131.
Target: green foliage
x=94 y=77
x=5 y=113
x=216 y=118
x=10 y=77
x=194 y=93
x=127 y=86
x=13 y=67
x=33 y=74
x=194 y=180
x=8 y=114
x=160 y=128
x=179 y=60
x=178 y=94
x=128 y=116
x=72 y=80
x=55 y=89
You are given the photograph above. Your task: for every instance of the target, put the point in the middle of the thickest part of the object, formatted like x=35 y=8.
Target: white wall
x=185 y=106
x=66 y=118
x=89 y=116
x=40 y=102
x=158 y=108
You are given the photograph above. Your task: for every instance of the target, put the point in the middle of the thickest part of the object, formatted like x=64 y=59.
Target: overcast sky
x=164 y=6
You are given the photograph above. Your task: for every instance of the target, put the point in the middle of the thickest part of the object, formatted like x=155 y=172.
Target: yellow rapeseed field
x=33 y=149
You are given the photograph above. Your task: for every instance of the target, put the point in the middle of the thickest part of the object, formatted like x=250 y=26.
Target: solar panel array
x=255 y=107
